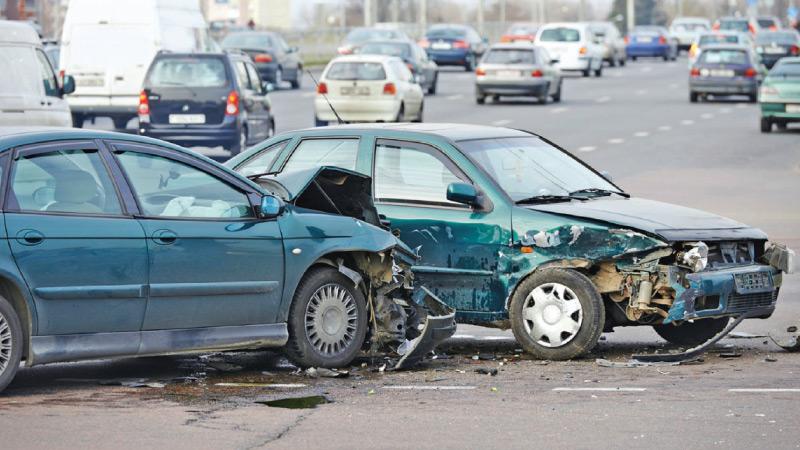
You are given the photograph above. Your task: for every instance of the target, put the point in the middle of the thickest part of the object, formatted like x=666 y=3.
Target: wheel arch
x=580 y=265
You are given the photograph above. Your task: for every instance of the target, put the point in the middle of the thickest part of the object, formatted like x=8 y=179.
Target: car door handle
x=30 y=237
x=164 y=237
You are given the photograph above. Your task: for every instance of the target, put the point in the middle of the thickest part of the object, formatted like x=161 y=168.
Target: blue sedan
x=650 y=41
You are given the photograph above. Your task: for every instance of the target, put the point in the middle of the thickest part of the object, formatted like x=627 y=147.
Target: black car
x=207 y=99
x=275 y=60
x=425 y=71
x=774 y=45
x=454 y=45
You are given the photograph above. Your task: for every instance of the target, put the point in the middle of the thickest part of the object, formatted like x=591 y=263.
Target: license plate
x=509 y=74
x=185 y=119
x=644 y=39
x=774 y=50
x=721 y=73
x=752 y=282
x=441 y=46
x=353 y=90
x=793 y=108
x=90 y=82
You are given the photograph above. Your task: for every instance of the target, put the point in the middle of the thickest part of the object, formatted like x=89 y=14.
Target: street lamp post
x=630 y=12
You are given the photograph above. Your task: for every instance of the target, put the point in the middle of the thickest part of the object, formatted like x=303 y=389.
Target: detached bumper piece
x=440 y=324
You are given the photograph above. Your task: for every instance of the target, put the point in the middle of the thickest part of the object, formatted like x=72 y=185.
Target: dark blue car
x=453 y=45
x=651 y=41
x=213 y=99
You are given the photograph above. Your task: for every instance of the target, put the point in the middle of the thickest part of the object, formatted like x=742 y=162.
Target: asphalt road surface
x=637 y=124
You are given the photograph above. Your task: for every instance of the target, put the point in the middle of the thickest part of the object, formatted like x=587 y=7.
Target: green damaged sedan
x=779 y=96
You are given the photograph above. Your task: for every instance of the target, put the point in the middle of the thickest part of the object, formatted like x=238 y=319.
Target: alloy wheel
x=6 y=343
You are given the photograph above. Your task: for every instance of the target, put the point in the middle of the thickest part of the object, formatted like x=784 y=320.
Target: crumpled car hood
x=670 y=222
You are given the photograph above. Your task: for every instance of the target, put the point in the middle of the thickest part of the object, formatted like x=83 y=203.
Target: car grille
x=747 y=302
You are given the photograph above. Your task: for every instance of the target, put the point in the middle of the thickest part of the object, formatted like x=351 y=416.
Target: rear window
x=766 y=23
x=778 y=38
x=510 y=56
x=21 y=71
x=194 y=72
x=560 y=35
x=247 y=40
x=736 y=25
x=376 y=48
x=786 y=70
x=446 y=33
x=724 y=57
x=356 y=71
x=719 y=39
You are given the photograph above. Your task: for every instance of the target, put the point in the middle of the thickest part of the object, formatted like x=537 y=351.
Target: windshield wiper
x=596 y=192
x=549 y=198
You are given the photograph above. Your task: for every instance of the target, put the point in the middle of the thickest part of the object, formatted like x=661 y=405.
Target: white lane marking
x=707 y=116
x=641 y=134
x=455 y=97
x=600 y=389
x=687 y=122
x=641 y=92
x=724 y=110
x=603 y=99
x=587 y=148
x=414 y=387
x=559 y=110
x=501 y=122
x=463 y=336
x=764 y=390
x=664 y=128
x=616 y=141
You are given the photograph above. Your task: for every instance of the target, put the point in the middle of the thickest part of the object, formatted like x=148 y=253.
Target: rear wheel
x=11 y=343
x=634 y=58
x=77 y=120
x=480 y=99
x=557 y=95
x=278 y=78
x=327 y=320
x=782 y=126
x=432 y=87
x=297 y=83
x=690 y=334
x=241 y=143
x=544 y=97
x=694 y=97
x=588 y=72
x=599 y=71
x=612 y=62
x=622 y=62
x=401 y=113
x=418 y=119
x=766 y=125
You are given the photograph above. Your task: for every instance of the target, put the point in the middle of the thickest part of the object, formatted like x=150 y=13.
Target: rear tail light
x=506 y=38
x=795 y=50
x=627 y=40
x=263 y=58
x=232 y=104
x=144 y=104
x=389 y=89
x=715 y=27
x=537 y=73
x=583 y=50
x=750 y=72
x=322 y=88
x=662 y=40
x=480 y=71
x=424 y=43
x=695 y=72
x=460 y=44
x=751 y=28
x=345 y=50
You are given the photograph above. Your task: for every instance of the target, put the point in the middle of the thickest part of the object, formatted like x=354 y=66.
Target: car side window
x=254 y=78
x=167 y=188
x=48 y=76
x=323 y=152
x=413 y=174
x=64 y=181
x=262 y=161
x=241 y=75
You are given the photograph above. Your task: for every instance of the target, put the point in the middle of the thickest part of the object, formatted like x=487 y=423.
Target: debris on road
x=790 y=343
x=730 y=355
x=134 y=383
x=743 y=335
x=316 y=372
x=635 y=363
x=486 y=371
x=298 y=402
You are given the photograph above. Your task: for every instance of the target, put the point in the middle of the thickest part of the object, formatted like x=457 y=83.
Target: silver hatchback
x=517 y=70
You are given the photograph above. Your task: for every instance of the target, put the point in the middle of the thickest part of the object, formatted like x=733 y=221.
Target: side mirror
x=69 y=85
x=267 y=86
x=554 y=61
x=605 y=174
x=463 y=193
x=271 y=207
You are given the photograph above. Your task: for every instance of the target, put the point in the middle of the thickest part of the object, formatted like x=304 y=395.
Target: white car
x=367 y=88
x=687 y=29
x=574 y=46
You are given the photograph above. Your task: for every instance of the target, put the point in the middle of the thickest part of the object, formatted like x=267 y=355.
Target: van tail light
x=750 y=72
x=662 y=40
x=627 y=40
x=583 y=50
x=389 y=89
x=537 y=73
x=232 y=105
x=460 y=44
x=263 y=58
x=480 y=71
x=695 y=72
x=144 y=104
x=795 y=50
x=424 y=43
x=322 y=88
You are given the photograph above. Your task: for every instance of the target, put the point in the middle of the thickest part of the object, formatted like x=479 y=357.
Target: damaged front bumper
x=440 y=324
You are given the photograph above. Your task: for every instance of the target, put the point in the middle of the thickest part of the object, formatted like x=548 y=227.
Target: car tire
x=622 y=62
x=587 y=73
x=120 y=123
x=314 y=336
x=612 y=62
x=11 y=343
x=634 y=58
x=599 y=72
x=297 y=83
x=480 y=99
x=469 y=64
x=432 y=87
x=766 y=125
x=240 y=144
x=77 y=120
x=557 y=95
x=544 y=97
x=558 y=290
x=690 y=334
x=278 y=78
x=694 y=97
x=782 y=126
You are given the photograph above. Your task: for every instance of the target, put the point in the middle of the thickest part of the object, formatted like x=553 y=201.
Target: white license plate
x=793 y=108
x=441 y=46
x=774 y=50
x=645 y=39
x=512 y=74
x=185 y=119
x=721 y=73
x=351 y=90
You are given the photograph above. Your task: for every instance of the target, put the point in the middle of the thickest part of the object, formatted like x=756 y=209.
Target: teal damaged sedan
x=120 y=246
x=513 y=231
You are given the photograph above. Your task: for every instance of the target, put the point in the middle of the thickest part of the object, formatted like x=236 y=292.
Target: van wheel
x=11 y=343
x=327 y=320
x=557 y=314
x=690 y=334
x=120 y=123
x=77 y=120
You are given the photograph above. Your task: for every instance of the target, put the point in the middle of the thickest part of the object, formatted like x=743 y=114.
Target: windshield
x=724 y=57
x=389 y=49
x=356 y=71
x=370 y=34
x=785 y=69
x=194 y=72
x=247 y=40
x=719 y=39
x=525 y=167
x=560 y=35
x=510 y=56
x=737 y=25
x=786 y=38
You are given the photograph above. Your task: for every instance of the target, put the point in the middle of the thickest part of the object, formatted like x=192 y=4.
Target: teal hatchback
x=515 y=232
x=117 y=245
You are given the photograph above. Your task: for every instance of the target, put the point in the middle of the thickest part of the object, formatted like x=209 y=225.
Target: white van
x=108 y=46
x=574 y=46
x=29 y=93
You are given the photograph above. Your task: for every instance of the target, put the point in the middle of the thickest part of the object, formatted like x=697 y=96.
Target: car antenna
x=338 y=119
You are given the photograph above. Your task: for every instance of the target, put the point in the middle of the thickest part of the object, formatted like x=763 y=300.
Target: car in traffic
x=779 y=96
x=521 y=32
x=607 y=34
x=205 y=99
x=514 y=231
x=651 y=41
x=359 y=35
x=425 y=71
x=719 y=37
x=769 y=23
x=574 y=46
x=30 y=93
x=453 y=45
x=723 y=70
x=774 y=45
x=741 y=24
x=517 y=70
x=687 y=29
x=121 y=246
x=367 y=88
x=275 y=60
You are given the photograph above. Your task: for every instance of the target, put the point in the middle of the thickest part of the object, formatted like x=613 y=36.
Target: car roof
x=451 y=131
x=18 y=32
x=581 y=25
x=363 y=58
x=690 y=19
x=513 y=45
x=741 y=47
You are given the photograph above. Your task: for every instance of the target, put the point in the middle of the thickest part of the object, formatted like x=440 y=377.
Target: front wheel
x=691 y=334
x=327 y=320
x=557 y=314
x=11 y=343
x=766 y=125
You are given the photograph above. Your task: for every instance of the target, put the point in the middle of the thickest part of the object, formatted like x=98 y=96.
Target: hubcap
x=5 y=343
x=331 y=319
x=552 y=315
